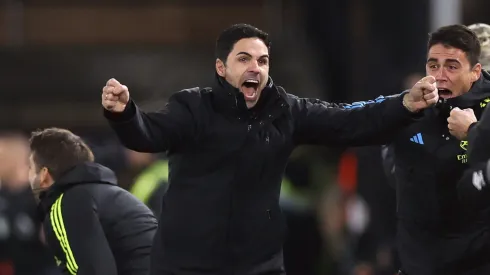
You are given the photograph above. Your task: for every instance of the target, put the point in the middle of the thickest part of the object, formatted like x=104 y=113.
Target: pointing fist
x=422 y=95
x=115 y=96
x=459 y=121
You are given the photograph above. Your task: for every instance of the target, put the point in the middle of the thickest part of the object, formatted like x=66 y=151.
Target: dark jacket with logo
x=95 y=227
x=221 y=212
x=434 y=228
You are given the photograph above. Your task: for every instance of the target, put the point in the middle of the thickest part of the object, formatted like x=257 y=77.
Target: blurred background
x=55 y=57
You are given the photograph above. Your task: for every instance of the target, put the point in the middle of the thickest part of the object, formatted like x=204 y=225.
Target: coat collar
x=229 y=100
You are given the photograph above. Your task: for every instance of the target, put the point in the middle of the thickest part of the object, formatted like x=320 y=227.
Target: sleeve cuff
x=128 y=113
x=413 y=115
x=472 y=125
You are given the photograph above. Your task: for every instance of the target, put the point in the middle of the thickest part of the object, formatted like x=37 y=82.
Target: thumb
x=469 y=110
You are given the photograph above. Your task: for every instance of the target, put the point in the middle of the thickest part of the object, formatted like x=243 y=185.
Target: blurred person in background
x=149 y=179
x=92 y=225
x=21 y=249
x=483 y=32
x=432 y=226
x=228 y=146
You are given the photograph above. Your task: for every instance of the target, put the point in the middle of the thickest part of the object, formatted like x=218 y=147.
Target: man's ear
x=45 y=179
x=476 y=72
x=220 y=67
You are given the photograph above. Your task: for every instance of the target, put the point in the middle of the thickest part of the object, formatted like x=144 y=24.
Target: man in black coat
x=426 y=159
x=92 y=226
x=228 y=146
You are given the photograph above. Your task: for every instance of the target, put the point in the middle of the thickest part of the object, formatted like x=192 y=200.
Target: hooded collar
x=478 y=91
x=85 y=173
x=230 y=100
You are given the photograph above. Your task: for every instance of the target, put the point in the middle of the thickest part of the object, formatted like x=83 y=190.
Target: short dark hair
x=460 y=37
x=228 y=38
x=58 y=150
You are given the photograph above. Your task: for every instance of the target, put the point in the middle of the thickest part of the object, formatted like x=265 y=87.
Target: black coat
x=221 y=212
x=95 y=227
x=434 y=228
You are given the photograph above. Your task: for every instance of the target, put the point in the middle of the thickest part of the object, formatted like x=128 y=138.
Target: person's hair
x=58 y=150
x=459 y=37
x=230 y=36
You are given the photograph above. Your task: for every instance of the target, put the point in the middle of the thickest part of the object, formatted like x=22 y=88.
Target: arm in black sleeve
x=154 y=132
x=473 y=189
x=478 y=139
x=358 y=124
x=78 y=231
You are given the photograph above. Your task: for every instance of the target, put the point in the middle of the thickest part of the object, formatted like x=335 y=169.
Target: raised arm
x=362 y=123
x=150 y=132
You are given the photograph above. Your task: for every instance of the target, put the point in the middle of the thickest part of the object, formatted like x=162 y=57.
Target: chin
x=251 y=104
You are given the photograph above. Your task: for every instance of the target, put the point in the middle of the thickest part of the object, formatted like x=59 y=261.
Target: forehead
x=441 y=53
x=253 y=46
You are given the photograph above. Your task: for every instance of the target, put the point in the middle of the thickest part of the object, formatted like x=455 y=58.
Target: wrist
x=407 y=106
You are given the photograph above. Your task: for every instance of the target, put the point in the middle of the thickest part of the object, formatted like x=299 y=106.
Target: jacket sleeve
x=478 y=139
x=473 y=189
x=357 y=124
x=78 y=232
x=153 y=132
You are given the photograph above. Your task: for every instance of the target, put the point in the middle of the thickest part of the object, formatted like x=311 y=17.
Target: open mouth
x=445 y=93
x=250 y=89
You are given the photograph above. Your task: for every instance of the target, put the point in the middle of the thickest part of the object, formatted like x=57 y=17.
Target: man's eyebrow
x=249 y=55
x=245 y=53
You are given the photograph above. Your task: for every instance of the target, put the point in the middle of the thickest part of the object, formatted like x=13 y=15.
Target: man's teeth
x=251 y=81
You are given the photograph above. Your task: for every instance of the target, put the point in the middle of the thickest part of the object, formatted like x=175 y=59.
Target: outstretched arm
x=362 y=123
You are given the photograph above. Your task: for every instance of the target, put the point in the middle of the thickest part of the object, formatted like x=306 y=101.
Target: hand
x=422 y=95
x=459 y=121
x=115 y=96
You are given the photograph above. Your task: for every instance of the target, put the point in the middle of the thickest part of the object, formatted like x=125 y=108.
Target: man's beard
x=37 y=189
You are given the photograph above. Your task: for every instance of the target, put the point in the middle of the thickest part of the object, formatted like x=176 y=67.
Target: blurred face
x=247 y=68
x=452 y=70
x=39 y=178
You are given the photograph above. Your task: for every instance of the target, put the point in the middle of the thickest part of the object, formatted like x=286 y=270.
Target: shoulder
x=190 y=94
x=190 y=98
x=74 y=197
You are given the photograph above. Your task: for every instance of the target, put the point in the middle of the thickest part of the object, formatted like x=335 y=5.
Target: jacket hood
x=86 y=173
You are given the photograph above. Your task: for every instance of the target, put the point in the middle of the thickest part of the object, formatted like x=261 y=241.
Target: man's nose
x=440 y=75
x=254 y=67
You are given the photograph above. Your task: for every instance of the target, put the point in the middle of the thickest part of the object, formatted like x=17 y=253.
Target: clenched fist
x=459 y=121
x=422 y=95
x=115 y=96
